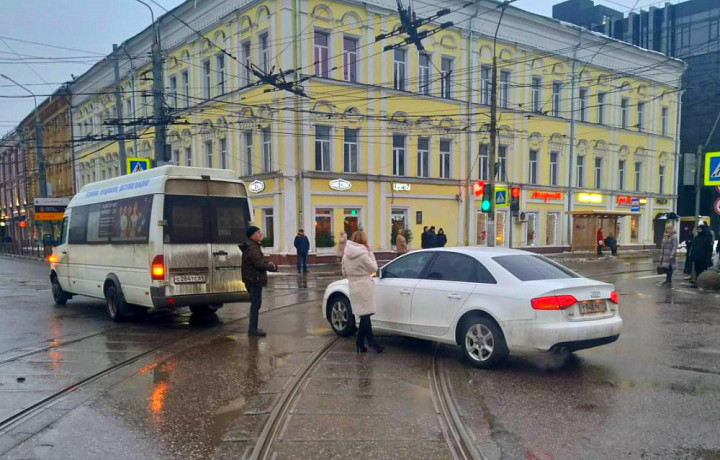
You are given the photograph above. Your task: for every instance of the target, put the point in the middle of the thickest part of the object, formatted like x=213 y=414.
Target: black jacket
x=254 y=265
x=441 y=240
x=302 y=244
x=702 y=247
x=424 y=239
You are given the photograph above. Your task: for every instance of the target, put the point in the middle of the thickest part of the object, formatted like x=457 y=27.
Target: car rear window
x=533 y=267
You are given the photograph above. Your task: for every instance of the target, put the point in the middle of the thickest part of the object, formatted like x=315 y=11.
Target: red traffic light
x=515 y=192
x=22 y=224
x=479 y=188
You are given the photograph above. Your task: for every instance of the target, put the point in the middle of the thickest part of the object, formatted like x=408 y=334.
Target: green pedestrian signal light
x=353 y=212
x=485 y=206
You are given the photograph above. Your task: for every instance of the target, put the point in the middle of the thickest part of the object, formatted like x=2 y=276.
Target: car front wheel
x=340 y=316
x=483 y=343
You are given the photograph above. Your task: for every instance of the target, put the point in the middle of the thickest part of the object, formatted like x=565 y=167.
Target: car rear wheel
x=204 y=309
x=483 y=343
x=340 y=316
x=59 y=296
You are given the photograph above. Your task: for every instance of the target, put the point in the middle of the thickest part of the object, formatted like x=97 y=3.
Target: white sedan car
x=489 y=301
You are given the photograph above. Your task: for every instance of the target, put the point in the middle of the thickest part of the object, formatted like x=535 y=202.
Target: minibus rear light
x=157 y=269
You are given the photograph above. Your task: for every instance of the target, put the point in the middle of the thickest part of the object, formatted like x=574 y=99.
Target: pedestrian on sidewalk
x=687 y=269
x=401 y=242
x=432 y=238
x=358 y=264
x=611 y=242
x=441 y=238
x=424 y=238
x=668 y=253
x=254 y=275
x=702 y=249
x=302 y=245
x=342 y=242
x=600 y=242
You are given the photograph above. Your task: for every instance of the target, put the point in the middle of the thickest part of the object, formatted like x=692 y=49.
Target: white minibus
x=163 y=238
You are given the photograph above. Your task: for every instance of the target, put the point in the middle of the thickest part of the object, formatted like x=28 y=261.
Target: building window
x=249 y=153
x=267 y=150
x=264 y=53
x=621 y=175
x=638 y=177
x=223 y=154
x=172 y=97
x=598 y=172
x=714 y=29
x=184 y=77
x=583 y=104
x=175 y=159
x=206 y=79
x=535 y=94
x=220 y=74
x=128 y=109
x=423 y=164
x=445 y=159
x=556 y=99
x=640 y=116
x=350 y=151
x=485 y=84
x=624 y=112
x=399 y=70
x=350 y=59
x=684 y=35
x=483 y=156
x=208 y=154
x=321 y=54
x=551 y=228
x=351 y=220
x=664 y=121
x=580 y=171
x=661 y=179
x=554 y=168
x=268 y=226
x=424 y=74
x=504 y=88
x=322 y=148
x=398 y=154
x=144 y=107
x=247 y=60
x=323 y=228
x=532 y=171
x=601 y=108
x=446 y=78
x=188 y=156
x=501 y=172
x=532 y=228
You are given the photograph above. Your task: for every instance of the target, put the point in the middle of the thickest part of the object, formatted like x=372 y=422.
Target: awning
x=601 y=213
x=667 y=216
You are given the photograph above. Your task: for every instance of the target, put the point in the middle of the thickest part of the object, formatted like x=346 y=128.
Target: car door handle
x=454 y=296
x=220 y=253
x=405 y=291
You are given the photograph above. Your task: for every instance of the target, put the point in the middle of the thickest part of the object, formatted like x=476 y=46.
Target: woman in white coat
x=358 y=263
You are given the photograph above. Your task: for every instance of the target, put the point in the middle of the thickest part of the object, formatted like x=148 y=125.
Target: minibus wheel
x=204 y=309
x=116 y=306
x=59 y=296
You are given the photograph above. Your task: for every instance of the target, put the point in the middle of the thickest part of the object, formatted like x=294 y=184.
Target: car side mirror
x=378 y=273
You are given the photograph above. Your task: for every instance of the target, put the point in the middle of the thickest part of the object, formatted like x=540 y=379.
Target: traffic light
x=479 y=188
x=515 y=201
x=486 y=204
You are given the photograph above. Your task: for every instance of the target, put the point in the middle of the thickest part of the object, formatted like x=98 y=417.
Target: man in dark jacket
x=254 y=275
x=432 y=238
x=702 y=249
x=302 y=244
x=424 y=238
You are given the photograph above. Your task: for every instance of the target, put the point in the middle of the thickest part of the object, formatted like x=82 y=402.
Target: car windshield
x=533 y=267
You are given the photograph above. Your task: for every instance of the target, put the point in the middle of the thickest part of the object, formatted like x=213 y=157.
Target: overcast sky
x=90 y=27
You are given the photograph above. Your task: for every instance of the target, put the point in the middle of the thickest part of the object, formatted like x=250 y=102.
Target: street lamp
x=38 y=140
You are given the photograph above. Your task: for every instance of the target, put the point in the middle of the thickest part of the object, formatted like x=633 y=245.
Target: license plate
x=591 y=307
x=182 y=279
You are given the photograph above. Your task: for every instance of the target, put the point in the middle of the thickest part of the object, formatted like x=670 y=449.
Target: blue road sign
x=712 y=169
x=501 y=197
x=635 y=205
x=137 y=164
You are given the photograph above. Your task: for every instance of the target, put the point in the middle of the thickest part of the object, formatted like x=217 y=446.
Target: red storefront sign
x=626 y=200
x=546 y=196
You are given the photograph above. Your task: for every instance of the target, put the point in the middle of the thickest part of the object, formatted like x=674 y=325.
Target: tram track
x=28 y=412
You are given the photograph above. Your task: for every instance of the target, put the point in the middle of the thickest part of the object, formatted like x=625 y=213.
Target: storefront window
x=634 y=228
x=532 y=227
x=268 y=224
x=500 y=228
x=551 y=230
x=481 y=228
x=352 y=221
x=323 y=228
x=398 y=220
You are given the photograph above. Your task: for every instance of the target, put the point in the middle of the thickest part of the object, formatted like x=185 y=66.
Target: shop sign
x=661 y=201
x=401 y=187
x=635 y=205
x=340 y=185
x=256 y=186
x=546 y=196
x=590 y=198
x=628 y=200
x=418 y=217
x=50 y=209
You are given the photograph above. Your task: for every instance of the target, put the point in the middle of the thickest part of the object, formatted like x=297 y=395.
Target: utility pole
x=700 y=166
x=119 y=105
x=493 y=132
x=158 y=108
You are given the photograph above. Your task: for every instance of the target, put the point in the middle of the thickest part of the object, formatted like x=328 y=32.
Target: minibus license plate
x=181 y=279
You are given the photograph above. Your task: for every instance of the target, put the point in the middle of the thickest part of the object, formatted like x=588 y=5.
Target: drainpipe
x=469 y=202
x=571 y=150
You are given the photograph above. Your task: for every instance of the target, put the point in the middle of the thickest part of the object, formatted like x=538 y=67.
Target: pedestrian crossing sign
x=137 y=164
x=712 y=169
x=501 y=197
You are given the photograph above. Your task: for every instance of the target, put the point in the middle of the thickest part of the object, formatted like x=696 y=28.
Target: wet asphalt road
x=178 y=386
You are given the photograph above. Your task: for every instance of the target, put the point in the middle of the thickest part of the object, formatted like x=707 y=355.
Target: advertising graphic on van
x=119 y=221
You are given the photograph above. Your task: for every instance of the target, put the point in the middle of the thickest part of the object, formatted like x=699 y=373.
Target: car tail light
x=553 y=302
x=157 y=269
x=614 y=297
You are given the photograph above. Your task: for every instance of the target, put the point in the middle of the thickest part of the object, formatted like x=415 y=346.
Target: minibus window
x=78 y=225
x=187 y=218
x=230 y=218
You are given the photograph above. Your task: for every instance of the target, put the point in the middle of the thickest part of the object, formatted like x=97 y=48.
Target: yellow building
x=390 y=139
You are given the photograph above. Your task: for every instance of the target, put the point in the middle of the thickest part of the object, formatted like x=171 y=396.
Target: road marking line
x=648 y=277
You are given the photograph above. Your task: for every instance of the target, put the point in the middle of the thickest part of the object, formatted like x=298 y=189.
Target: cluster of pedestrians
x=699 y=250
x=430 y=239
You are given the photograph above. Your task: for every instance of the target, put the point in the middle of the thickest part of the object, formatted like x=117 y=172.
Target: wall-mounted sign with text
x=547 y=196
x=401 y=187
x=340 y=185
x=256 y=186
x=629 y=200
x=590 y=198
